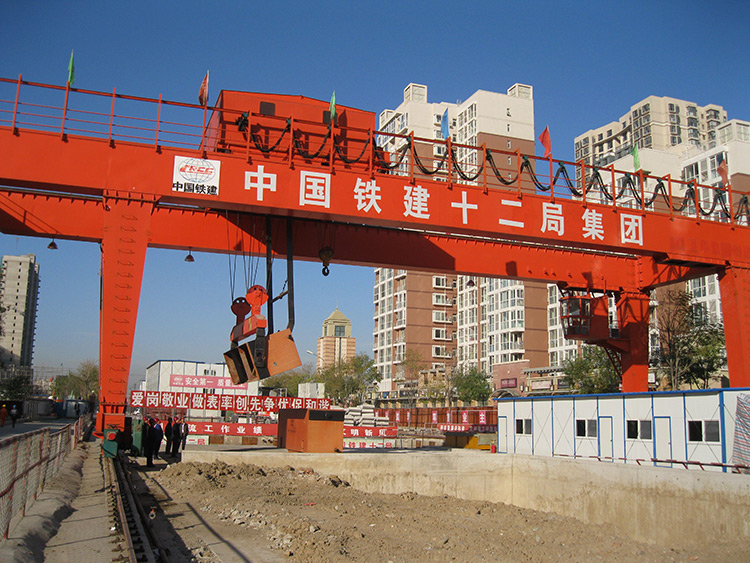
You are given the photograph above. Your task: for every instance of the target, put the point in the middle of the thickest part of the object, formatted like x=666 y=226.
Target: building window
x=703 y=431
x=439 y=282
x=586 y=428
x=639 y=429
x=523 y=426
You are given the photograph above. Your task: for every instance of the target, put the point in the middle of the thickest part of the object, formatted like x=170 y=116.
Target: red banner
x=235 y=403
x=362 y=443
x=370 y=432
x=468 y=428
x=232 y=429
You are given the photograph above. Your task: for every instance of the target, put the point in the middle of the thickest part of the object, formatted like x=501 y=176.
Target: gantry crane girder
x=218 y=196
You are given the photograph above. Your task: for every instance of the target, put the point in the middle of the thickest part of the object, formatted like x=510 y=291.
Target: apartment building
x=454 y=320
x=656 y=122
x=19 y=293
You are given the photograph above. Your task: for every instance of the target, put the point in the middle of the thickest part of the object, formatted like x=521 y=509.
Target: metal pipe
x=269 y=273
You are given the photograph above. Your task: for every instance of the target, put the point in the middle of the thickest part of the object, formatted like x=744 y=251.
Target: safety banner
x=469 y=428
x=234 y=403
x=366 y=443
x=232 y=429
x=370 y=432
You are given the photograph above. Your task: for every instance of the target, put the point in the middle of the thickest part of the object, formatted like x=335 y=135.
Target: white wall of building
x=660 y=429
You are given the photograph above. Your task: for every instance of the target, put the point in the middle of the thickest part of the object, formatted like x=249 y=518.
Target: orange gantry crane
x=256 y=170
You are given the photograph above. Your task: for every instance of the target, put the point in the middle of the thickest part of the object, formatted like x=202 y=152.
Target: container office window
x=523 y=426
x=639 y=429
x=703 y=431
x=586 y=428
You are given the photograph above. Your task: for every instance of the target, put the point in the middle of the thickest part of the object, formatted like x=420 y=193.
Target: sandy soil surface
x=217 y=512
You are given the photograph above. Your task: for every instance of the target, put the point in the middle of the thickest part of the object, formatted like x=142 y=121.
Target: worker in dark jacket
x=176 y=437
x=168 y=430
x=148 y=446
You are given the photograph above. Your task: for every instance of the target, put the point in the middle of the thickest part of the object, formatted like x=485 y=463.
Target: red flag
x=203 y=93
x=544 y=139
x=723 y=171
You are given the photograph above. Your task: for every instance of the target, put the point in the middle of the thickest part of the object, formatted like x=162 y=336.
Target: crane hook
x=325 y=254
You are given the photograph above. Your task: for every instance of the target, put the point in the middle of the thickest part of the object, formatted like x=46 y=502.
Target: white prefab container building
x=693 y=429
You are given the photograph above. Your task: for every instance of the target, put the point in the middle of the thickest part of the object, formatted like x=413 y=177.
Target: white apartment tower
x=19 y=292
x=466 y=320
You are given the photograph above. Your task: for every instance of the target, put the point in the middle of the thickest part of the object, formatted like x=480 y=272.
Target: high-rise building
x=452 y=320
x=19 y=292
x=336 y=344
x=659 y=123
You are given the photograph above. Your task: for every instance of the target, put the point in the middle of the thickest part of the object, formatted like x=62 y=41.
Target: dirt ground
x=217 y=512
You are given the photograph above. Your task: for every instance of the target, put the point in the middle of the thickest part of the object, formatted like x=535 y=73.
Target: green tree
x=674 y=322
x=592 y=372
x=291 y=379
x=346 y=382
x=81 y=384
x=411 y=365
x=691 y=347
x=17 y=387
x=708 y=357
x=471 y=385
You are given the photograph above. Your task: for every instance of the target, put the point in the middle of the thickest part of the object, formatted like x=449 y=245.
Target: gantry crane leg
x=123 y=255
x=734 y=283
x=633 y=316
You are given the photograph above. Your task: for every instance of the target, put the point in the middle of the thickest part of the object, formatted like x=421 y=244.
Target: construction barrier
x=27 y=462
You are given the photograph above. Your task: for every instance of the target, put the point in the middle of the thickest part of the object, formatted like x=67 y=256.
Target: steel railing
x=114 y=117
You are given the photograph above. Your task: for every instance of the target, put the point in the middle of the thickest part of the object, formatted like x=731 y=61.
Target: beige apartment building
x=656 y=122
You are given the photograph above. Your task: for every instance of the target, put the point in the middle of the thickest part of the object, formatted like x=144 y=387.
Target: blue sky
x=587 y=61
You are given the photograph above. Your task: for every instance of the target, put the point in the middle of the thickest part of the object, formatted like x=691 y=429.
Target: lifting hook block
x=325 y=254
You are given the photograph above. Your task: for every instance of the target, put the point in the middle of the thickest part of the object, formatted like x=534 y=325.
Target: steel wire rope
x=461 y=173
x=499 y=174
x=316 y=154
x=421 y=166
x=343 y=157
x=744 y=204
x=232 y=272
x=379 y=155
x=243 y=125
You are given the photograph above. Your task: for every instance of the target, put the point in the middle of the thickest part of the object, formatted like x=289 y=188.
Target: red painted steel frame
x=121 y=194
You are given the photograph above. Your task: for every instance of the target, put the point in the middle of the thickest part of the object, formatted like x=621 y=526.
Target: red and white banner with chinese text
x=468 y=428
x=203 y=381
x=235 y=403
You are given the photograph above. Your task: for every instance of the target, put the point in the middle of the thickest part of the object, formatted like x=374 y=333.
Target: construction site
x=274 y=175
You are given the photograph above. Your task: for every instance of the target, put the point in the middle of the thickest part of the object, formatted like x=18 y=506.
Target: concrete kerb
x=29 y=534
x=656 y=505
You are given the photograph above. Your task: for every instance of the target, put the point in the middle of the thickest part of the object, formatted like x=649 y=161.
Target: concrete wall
x=657 y=505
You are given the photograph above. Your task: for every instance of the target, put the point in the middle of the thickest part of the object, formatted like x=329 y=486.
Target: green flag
x=71 y=70
x=636 y=158
x=332 y=109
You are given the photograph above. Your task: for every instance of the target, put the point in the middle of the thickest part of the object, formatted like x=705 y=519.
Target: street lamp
x=320 y=358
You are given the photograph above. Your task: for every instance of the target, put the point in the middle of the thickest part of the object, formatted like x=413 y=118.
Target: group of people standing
x=176 y=432
x=4 y=414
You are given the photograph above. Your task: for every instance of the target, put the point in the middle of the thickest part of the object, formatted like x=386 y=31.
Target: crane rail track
x=130 y=518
